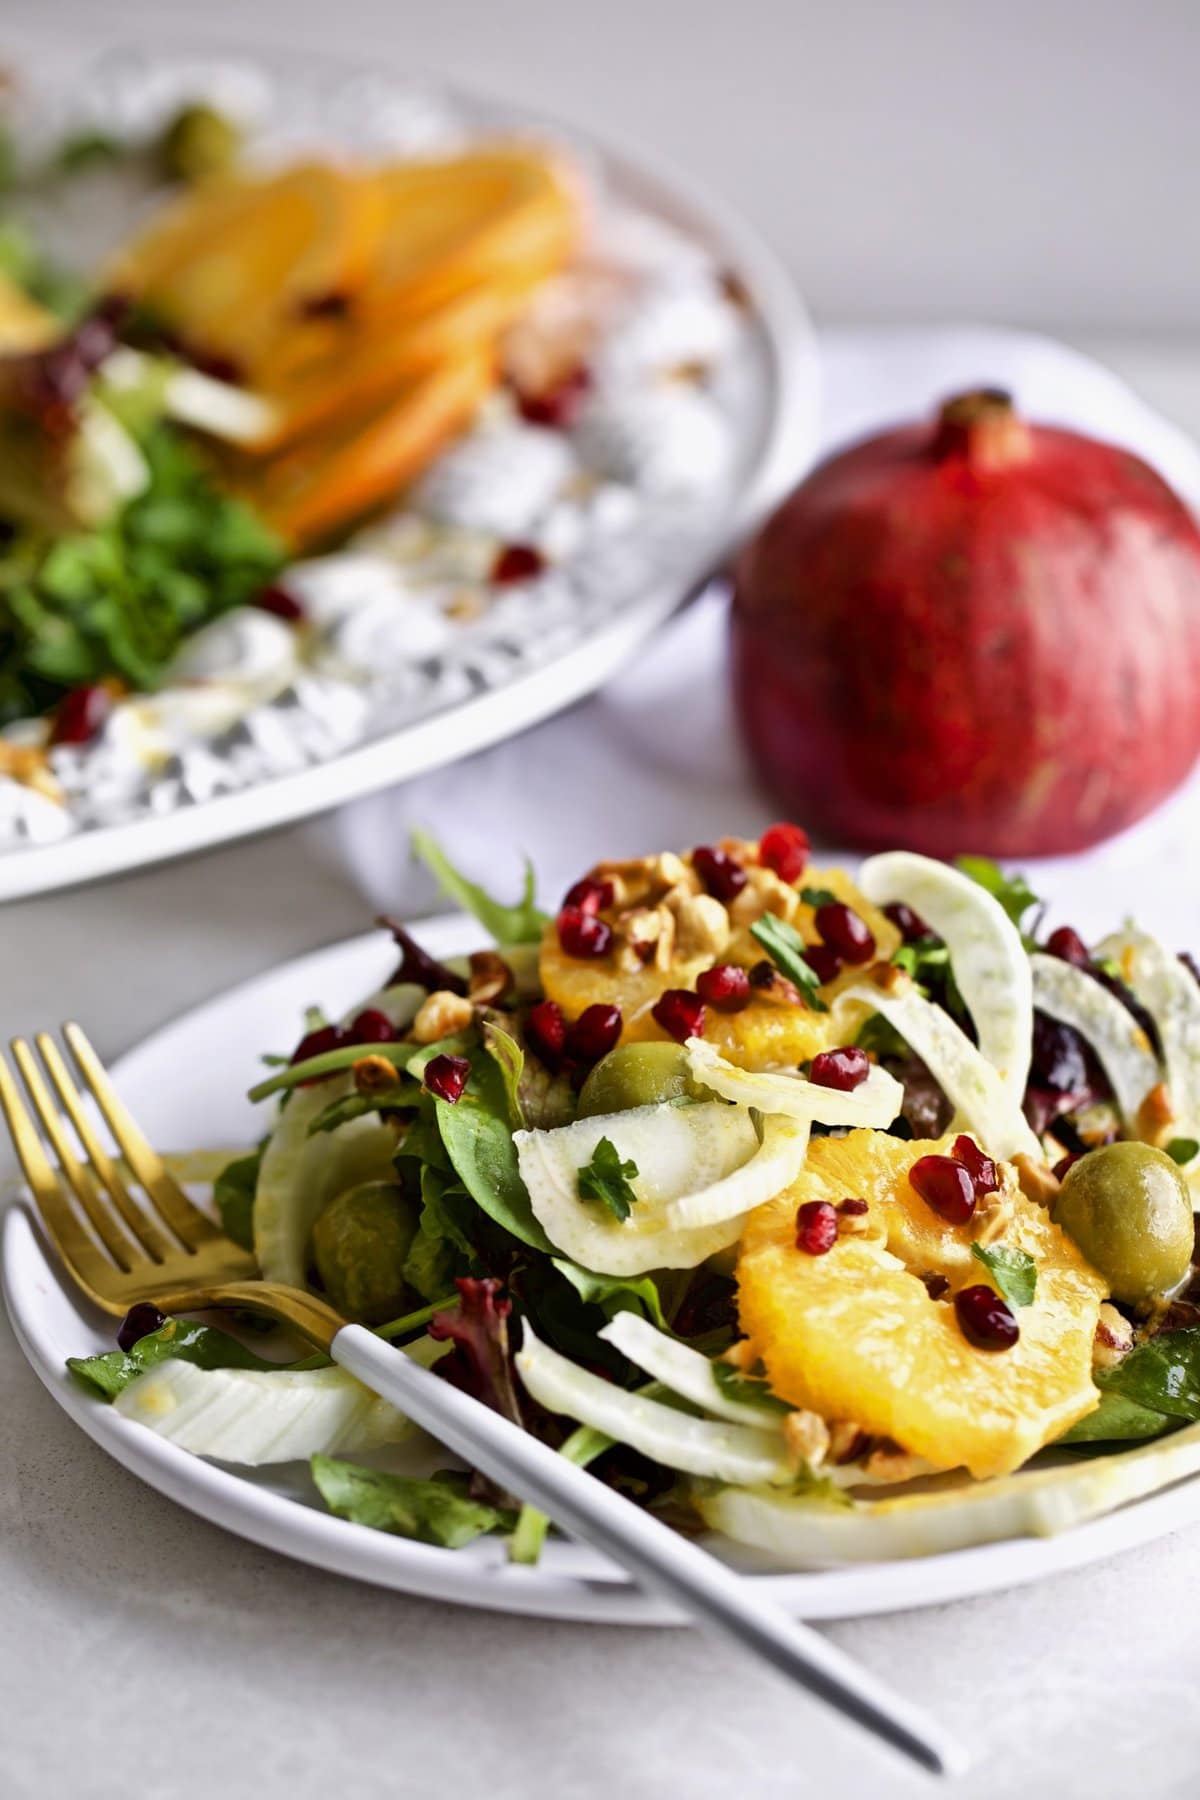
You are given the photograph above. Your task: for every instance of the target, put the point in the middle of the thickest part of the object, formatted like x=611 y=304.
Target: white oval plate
x=217 y=1047
x=775 y=422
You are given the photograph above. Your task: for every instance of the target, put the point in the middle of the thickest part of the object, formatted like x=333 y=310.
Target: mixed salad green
x=549 y=1211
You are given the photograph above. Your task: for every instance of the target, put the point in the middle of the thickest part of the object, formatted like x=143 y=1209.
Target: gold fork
x=170 y=1254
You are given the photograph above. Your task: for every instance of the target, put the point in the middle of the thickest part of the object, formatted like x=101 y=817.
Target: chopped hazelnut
x=1038 y=1180
x=806 y=1436
x=441 y=1015
x=490 y=978
x=1155 y=1115
x=1114 y=1337
x=701 y=925
x=375 y=1075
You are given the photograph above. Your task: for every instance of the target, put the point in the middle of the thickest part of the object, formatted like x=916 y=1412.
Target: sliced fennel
x=258 y=1416
x=986 y=953
x=774 y=1166
x=679 y=1151
x=876 y=1102
x=301 y=1173
x=1171 y=995
x=685 y=1371
x=982 y=1103
x=725 y=1452
x=1074 y=997
x=806 y=1532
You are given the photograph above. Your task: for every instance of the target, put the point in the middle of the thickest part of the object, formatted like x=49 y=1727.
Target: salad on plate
x=850 y=1219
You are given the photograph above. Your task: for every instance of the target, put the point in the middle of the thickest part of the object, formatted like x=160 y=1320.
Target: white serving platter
x=775 y=420
x=218 y=1043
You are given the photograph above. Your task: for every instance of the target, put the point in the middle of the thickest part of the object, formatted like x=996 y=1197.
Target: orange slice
x=241 y=260
x=327 y=480
x=450 y=225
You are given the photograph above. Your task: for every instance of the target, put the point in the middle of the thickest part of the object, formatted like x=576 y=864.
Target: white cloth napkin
x=654 y=759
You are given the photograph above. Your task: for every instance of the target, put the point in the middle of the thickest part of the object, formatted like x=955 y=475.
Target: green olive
x=636 y=1075
x=360 y=1243
x=199 y=141
x=1128 y=1208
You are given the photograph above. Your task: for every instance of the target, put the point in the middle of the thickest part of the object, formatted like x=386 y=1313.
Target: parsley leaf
x=815 y=896
x=1182 y=1150
x=1012 y=891
x=606 y=1178
x=785 y=947
x=1013 y=1271
x=521 y=923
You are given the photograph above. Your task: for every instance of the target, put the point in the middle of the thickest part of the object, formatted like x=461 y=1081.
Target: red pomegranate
x=973 y=635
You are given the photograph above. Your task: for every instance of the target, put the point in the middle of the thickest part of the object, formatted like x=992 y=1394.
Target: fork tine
x=148 y=1234
x=75 y=1247
x=192 y=1226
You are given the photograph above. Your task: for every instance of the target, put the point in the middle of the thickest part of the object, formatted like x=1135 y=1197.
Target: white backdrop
x=1024 y=160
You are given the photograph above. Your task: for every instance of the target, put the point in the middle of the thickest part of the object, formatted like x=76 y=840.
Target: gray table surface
x=142 y=1651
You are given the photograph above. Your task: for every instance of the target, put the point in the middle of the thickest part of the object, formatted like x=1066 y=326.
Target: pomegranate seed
x=546 y=1030
x=910 y=925
x=724 y=986
x=595 y=1032
x=842 y=929
x=1068 y=946
x=556 y=406
x=979 y=1167
x=279 y=603
x=138 y=1323
x=582 y=934
x=1066 y=1162
x=816 y=1227
x=680 y=1013
x=825 y=963
x=853 y=1208
x=446 y=1077
x=722 y=874
x=843 y=1069
x=985 y=1319
x=784 y=848
x=945 y=1186
x=373 y=1027
x=81 y=714
x=517 y=562
x=590 y=895
x=316 y=1043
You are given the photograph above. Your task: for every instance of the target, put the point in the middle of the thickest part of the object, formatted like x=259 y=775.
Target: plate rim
x=790 y=441
x=587 y=1589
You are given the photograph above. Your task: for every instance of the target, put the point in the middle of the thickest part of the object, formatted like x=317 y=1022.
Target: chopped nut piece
x=846 y=1440
x=763 y=893
x=854 y=1218
x=1114 y=1337
x=375 y=1075
x=806 y=1436
x=490 y=978
x=741 y=1355
x=891 y=978
x=441 y=1015
x=701 y=924
x=1155 y=1115
x=1038 y=1180
x=767 y=982
x=27 y=764
x=890 y=1463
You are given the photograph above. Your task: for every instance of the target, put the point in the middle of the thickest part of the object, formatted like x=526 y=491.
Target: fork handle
x=657 y=1557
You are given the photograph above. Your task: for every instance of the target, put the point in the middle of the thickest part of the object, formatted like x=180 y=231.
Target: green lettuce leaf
x=439 y=1511
x=111 y=1372
x=522 y=923
x=1012 y=891
x=785 y=947
x=233 y=1196
x=1156 y=1388
x=478 y=1140
x=615 y=1293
